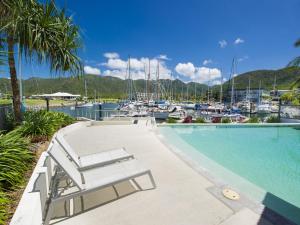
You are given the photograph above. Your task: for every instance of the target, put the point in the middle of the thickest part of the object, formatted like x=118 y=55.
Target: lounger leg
x=49 y=214
x=115 y=189
x=136 y=184
x=152 y=179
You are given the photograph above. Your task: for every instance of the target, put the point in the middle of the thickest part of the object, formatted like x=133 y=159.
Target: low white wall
x=29 y=210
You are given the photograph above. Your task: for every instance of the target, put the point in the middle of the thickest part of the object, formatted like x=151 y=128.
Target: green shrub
x=41 y=125
x=254 y=119
x=200 y=120
x=15 y=158
x=4 y=201
x=9 y=122
x=226 y=120
x=273 y=119
x=171 y=120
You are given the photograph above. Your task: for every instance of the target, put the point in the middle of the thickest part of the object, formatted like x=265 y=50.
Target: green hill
x=105 y=87
x=285 y=78
x=112 y=87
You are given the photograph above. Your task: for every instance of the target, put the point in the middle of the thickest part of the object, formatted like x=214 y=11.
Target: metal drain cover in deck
x=230 y=194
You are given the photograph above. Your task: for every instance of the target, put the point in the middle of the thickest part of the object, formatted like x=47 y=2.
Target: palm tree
x=297 y=44
x=295 y=61
x=44 y=33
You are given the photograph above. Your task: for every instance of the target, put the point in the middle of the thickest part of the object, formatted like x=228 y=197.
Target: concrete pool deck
x=182 y=197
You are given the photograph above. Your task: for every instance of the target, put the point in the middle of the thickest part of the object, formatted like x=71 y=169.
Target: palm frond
x=294 y=62
x=297 y=44
x=44 y=32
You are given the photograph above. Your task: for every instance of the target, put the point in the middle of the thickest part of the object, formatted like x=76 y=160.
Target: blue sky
x=181 y=35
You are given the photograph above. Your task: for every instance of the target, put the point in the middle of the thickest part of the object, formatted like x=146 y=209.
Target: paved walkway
x=181 y=196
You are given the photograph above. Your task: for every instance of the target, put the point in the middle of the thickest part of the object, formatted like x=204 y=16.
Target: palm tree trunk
x=14 y=80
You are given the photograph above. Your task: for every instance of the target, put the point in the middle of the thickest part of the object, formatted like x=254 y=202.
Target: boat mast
x=259 y=93
x=146 y=83
x=85 y=88
x=149 y=82
x=221 y=88
x=208 y=85
x=182 y=92
x=232 y=84
x=187 y=92
x=129 y=80
x=157 y=81
x=274 y=85
x=195 y=93
x=249 y=90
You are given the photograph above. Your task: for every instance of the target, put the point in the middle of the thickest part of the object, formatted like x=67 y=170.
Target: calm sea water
x=268 y=157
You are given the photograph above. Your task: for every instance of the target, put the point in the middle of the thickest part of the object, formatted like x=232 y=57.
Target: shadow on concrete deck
x=92 y=200
x=279 y=211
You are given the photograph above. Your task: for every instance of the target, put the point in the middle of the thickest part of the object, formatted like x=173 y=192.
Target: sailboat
x=233 y=108
x=263 y=106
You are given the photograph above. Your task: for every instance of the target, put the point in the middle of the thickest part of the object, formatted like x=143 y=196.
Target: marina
x=149 y=112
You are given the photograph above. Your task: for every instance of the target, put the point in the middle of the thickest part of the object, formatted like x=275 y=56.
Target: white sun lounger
x=93 y=179
x=93 y=160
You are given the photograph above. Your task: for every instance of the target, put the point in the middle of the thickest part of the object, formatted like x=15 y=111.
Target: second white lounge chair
x=93 y=160
x=93 y=179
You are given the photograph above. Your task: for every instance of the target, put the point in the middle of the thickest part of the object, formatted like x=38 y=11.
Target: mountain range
x=112 y=87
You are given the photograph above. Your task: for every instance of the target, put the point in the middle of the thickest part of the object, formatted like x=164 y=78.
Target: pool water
x=268 y=157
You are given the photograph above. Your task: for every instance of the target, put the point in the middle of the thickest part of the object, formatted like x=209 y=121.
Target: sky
x=193 y=40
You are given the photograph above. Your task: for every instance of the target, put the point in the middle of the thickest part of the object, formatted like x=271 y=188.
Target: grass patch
x=171 y=120
x=226 y=120
x=4 y=201
x=5 y=101
x=254 y=119
x=15 y=158
x=200 y=120
x=273 y=119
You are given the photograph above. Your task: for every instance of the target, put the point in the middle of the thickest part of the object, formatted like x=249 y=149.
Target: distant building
x=253 y=96
x=278 y=93
x=57 y=95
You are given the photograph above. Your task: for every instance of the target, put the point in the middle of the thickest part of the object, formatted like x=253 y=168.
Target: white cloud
x=239 y=41
x=91 y=70
x=198 y=74
x=111 y=55
x=207 y=61
x=115 y=63
x=243 y=58
x=186 y=69
x=118 y=67
x=163 y=57
x=223 y=43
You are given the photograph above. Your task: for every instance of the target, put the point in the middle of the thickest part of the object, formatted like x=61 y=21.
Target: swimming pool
x=261 y=161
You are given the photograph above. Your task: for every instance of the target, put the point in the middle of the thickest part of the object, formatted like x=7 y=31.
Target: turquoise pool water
x=268 y=158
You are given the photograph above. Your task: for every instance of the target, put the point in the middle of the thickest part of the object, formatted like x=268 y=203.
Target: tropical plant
x=40 y=125
x=43 y=32
x=200 y=120
x=171 y=120
x=295 y=61
x=9 y=122
x=14 y=159
x=4 y=201
x=254 y=119
x=226 y=120
x=273 y=119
